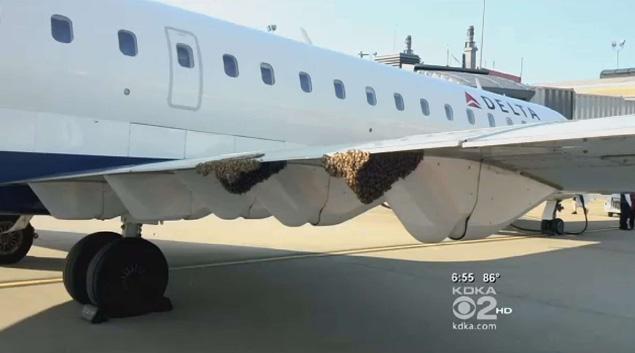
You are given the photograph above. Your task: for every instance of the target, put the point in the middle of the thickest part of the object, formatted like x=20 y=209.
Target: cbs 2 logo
x=464 y=308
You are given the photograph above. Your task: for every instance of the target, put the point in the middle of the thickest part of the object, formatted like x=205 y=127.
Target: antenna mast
x=480 y=64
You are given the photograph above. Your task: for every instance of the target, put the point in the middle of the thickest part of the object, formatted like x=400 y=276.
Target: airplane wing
x=327 y=185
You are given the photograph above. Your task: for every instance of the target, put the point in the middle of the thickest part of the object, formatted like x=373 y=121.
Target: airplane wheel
x=558 y=226
x=14 y=246
x=127 y=278
x=552 y=227
x=79 y=259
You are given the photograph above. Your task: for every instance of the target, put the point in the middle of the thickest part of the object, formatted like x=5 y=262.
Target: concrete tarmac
x=365 y=286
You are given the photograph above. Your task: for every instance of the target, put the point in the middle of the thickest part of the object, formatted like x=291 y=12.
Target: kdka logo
x=477 y=308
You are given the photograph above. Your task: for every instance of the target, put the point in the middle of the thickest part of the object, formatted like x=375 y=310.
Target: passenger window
x=492 y=120
x=268 y=76
x=470 y=117
x=231 y=65
x=62 y=29
x=371 y=97
x=340 y=90
x=425 y=107
x=305 y=82
x=128 y=43
x=449 y=112
x=399 y=104
x=509 y=121
x=185 y=55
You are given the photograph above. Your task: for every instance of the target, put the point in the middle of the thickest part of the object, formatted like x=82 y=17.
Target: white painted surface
x=157 y=142
x=503 y=196
x=296 y=195
x=209 y=191
x=156 y=197
x=256 y=145
x=18 y=131
x=72 y=135
x=434 y=201
x=79 y=200
x=199 y=144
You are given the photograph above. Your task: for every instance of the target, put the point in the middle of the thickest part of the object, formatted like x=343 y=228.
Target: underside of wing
x=459 y=184
x=581 y=156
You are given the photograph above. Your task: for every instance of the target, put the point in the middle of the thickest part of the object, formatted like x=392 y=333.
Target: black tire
x=611 y=214
x=128 y=278
x=545 y=227
x=14 y=246
x=78 y=260
x=558 y=226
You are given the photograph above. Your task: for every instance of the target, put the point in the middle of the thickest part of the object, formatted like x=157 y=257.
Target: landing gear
x=552 y=226
x=117 y=276
x=78 y=260
x=14 y=245
x=128 y=278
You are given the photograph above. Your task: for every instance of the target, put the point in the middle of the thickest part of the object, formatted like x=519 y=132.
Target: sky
x=559 y=40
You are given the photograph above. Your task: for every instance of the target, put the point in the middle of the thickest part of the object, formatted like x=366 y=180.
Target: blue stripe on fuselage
x=19 y=200
x=18 y=166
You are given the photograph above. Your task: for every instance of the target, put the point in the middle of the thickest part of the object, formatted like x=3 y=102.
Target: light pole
x=618 y=46
x=480 y=64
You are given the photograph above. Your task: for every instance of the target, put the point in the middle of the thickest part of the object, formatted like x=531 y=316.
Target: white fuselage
x=71 y=98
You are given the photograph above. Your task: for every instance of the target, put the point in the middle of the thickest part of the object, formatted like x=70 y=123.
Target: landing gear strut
x=14 y=244
x=115 y=276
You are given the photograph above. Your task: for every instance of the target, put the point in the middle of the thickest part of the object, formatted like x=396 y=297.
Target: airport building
x=617 y=83
x=611 y=95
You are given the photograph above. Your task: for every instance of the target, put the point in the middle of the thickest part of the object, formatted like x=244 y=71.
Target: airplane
x=150 y=113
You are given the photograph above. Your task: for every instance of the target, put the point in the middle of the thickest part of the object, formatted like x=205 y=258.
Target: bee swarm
x=238 y=176
x=371 y=175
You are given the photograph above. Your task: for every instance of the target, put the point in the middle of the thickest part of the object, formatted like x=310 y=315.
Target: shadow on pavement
x=572 y=300
x=40 y=263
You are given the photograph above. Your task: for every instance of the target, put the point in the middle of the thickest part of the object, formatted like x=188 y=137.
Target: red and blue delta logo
x=471 y=101
x=496 y=104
